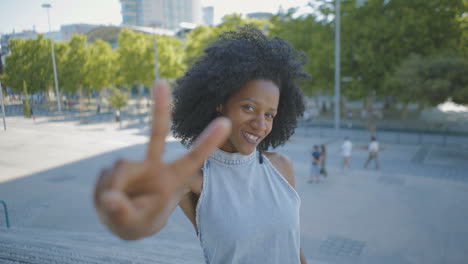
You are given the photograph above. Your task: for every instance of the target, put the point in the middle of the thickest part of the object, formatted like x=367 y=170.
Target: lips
x=250 y=137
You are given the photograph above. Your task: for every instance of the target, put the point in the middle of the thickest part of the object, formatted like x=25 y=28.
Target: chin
x=245 y=148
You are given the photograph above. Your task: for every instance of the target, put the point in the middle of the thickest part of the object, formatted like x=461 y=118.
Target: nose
x=259 y=122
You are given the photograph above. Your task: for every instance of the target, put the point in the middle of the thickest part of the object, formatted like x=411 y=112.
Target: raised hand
x=135 y=198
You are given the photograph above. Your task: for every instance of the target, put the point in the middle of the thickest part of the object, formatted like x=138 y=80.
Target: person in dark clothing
x=315 y=168
x=323 y=169
x=32 y=113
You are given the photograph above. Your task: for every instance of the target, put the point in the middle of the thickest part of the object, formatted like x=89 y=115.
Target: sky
x=22 y=15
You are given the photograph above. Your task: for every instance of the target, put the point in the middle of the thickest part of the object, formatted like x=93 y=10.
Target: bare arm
x=134 y=199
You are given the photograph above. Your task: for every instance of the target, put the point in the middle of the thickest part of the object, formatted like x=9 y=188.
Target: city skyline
x=29 y=15
x=166 y=14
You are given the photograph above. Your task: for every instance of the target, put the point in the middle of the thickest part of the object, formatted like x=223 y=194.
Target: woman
x=241 y=97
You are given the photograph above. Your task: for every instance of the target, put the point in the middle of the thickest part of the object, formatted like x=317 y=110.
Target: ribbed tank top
x=247 y=212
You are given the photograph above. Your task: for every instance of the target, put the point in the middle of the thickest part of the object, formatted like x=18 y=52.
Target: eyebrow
x=256 y=102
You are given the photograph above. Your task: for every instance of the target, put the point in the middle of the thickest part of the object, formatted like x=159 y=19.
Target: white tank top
x=247 y=212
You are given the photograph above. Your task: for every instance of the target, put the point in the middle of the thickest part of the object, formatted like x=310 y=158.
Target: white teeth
x=251 y=137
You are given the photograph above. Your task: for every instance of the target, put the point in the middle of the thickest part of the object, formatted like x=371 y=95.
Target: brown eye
x=248 y=107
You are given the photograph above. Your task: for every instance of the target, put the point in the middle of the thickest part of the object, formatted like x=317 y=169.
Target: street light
x=154 y=25
x=1 y=89
x=47 y=7
x=3 y=105
x=337 y=65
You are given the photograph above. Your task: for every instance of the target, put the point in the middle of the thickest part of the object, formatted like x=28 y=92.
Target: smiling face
x=251 y=111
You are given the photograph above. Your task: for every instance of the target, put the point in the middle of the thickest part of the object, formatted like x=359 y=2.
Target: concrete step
x=27 y=245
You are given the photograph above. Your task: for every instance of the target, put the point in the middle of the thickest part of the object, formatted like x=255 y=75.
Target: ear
x=219 y=108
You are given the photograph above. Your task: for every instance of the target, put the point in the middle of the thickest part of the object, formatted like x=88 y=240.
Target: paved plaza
x=412 y=210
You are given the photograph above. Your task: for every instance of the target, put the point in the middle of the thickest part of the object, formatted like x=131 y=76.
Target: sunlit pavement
x=412 y=210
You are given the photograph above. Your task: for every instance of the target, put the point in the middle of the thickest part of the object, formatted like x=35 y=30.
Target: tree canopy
x=415 y=51
x=30 y=61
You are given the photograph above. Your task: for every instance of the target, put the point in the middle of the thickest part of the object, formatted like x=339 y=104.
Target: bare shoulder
x=283 y=164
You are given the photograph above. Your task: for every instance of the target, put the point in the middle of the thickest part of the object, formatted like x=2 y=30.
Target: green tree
x=233 y=21
x=29 y=61
x=74 y=69
x=26 y=106
x=196 y=41
x=61 y=53
x=170 y=57
x=431 y=80
x=199 y=38
x=118 y=99
x=445 y=77
x=463 y=20
x=315 y=39
x=379 y=35
x=74 y=65
x=134 y=59
x=101 y=68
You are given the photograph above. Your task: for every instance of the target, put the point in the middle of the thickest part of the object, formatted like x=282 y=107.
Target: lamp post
x=47 y=7
x=3 y=106
x=154 y=25
x=1 y=89
x=337 y=65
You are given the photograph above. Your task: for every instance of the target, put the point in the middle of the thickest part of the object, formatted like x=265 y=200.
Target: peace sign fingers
x=160 y=122
x=213 y=136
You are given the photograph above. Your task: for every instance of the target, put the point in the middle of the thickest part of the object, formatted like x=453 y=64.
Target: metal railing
x=384 y=135
x=5 y=209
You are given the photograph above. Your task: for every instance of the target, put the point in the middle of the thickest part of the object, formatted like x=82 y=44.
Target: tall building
x=129 y=12
x=167 y=14
x=208 y=15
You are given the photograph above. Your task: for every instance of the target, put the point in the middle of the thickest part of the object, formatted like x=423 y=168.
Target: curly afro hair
x=228 y=63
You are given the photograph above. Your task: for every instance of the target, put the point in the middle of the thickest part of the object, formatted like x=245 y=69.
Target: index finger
x=213 y=136
x=160 y=122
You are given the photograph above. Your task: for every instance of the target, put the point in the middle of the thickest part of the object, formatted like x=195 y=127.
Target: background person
x=346 y=149
x=315 y=165
x=373 y=153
